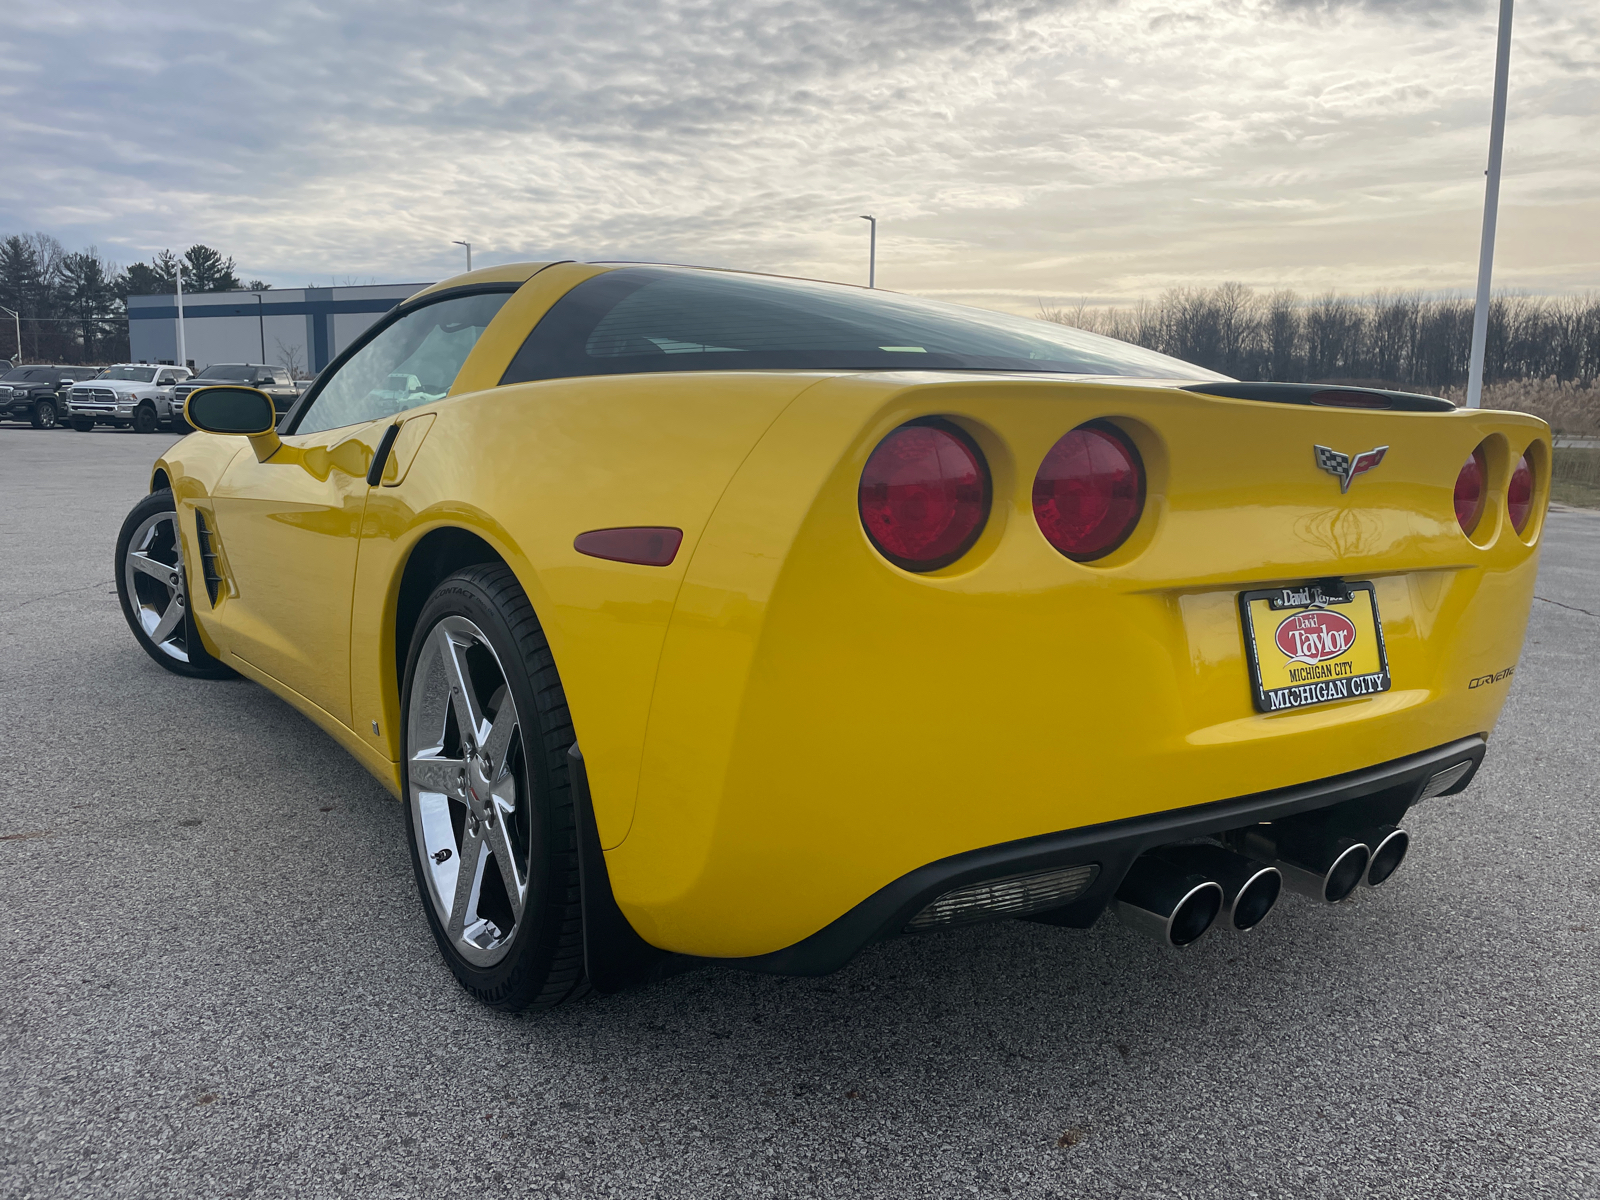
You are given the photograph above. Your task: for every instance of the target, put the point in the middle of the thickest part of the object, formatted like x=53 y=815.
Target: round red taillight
x=1472 y=487
x=1519 y=495
x=924 y=495
x=1089 y=492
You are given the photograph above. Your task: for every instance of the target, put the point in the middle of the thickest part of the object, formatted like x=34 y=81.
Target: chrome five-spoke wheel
x=153 y=576
x=466 y=781
x=154 y=590
x=485 y=733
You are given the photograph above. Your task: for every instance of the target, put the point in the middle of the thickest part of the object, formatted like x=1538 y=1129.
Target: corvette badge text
x=1485 y=680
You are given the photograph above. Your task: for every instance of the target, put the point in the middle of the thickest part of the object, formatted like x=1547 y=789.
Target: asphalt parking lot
x=216 y=980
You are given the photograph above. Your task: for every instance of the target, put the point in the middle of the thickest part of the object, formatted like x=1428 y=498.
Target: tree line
x=1389 y=339
x=73 y=305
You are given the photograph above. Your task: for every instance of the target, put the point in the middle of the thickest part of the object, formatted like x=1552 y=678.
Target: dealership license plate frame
x=1331 y=595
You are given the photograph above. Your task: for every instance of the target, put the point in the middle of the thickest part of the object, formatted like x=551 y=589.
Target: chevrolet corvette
x=699 y=616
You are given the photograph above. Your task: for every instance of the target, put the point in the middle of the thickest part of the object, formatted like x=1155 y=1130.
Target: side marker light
x=646 y=545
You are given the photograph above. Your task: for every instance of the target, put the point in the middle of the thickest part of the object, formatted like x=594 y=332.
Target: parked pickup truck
x=37 y=394
x=135 y=394
x=275 y=381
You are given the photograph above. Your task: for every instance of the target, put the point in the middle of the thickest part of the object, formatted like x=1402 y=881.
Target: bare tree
x=291 y=356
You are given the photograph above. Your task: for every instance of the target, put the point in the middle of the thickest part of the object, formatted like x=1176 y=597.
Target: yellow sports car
x=697 y=615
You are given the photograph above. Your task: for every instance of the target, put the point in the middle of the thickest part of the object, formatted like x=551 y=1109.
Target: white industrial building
x=299 y=328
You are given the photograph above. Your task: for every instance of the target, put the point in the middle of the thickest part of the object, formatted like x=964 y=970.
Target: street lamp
x=261 y=325
x=872 y=251
x=468 y=245
x=183 y=352
x=1491 y=208
x=18 y=320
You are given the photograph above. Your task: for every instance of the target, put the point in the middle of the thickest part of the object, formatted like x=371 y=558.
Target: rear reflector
x=1519 y=495
x=647 y=545
x=1445 y=780
x=1472 y=486
x=924 y=495
x=1013 y=896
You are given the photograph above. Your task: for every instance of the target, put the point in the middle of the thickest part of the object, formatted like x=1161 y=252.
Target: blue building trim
x=293 y=308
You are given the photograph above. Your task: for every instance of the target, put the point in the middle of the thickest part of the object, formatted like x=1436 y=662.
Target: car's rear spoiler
x=1326 y=395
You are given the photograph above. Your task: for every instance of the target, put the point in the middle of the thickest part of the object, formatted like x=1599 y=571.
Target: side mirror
x=227 y=409
x=231 y=410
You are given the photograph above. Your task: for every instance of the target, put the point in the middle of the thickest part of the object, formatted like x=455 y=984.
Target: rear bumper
x=1378 y=794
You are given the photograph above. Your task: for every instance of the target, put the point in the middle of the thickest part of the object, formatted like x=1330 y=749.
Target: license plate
x=1315 y=644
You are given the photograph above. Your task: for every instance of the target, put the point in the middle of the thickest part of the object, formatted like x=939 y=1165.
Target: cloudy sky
x=1014 y=152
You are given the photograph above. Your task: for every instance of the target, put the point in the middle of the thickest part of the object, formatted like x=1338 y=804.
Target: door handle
x=381 y=455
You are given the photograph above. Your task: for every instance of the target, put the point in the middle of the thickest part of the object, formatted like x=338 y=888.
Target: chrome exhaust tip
x=1165 y=902
x=1250 y=889
x=1389 y=846
x=1323 y=867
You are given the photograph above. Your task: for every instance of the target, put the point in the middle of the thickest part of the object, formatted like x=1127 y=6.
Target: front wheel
x=153 y=588
x=489 y=811
x=44 y=415
x=145 y=419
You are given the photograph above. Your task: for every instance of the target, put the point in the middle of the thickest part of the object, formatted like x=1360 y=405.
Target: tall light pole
x=261 y=325
x=18 y=320
x=468 y=245
x=183 y=352
x=1491 y=208
x=872 y=252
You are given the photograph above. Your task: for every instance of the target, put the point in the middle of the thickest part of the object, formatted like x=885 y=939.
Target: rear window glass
x=648 y=319
x=232 y=371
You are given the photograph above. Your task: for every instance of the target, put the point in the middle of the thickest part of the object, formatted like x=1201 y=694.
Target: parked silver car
x=135 y=394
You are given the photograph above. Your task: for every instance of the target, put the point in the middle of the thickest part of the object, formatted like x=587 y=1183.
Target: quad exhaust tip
x=1176 y=893
x=1166 y=903
x=1250 y=889
x=1314 y=863
x=1389 y=845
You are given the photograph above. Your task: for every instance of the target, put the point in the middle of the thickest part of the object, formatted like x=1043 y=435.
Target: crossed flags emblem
x=1347 y=467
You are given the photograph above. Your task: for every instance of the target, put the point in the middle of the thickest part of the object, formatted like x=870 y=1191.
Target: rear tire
x=485 y=734
x=153 y=586
x=145 y=419
x=44 y=415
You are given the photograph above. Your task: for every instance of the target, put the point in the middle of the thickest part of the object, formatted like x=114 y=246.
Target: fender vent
x=208 y=556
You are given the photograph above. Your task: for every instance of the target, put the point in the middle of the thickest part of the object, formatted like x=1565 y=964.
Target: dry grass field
x=1572 y=411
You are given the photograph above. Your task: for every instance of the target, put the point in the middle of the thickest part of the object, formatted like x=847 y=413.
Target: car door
x=290 y=524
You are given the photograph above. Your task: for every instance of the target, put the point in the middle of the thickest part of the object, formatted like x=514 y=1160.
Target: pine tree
x=205 y=270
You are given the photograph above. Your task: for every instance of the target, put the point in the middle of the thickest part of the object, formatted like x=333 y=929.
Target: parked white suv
x=135 y=394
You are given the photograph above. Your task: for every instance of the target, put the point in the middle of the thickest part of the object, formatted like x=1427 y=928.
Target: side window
x=167 y=378
x=412 y=361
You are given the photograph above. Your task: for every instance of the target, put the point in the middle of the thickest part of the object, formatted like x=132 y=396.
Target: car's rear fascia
x=824 y=724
